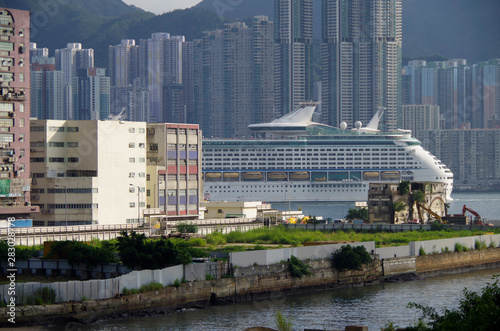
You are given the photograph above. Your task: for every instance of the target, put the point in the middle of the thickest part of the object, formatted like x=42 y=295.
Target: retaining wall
x=440 y=263
x=398 y=266
x=271 y=285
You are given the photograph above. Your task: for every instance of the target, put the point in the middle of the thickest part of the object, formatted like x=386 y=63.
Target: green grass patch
x=297 y=237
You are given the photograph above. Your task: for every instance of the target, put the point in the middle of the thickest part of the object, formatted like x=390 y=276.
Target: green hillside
x=99 y=23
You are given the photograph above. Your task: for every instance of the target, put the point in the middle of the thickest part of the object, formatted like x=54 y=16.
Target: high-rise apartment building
x=15 y=175
x=420 y=118
x=233 y=78
x=238 y=78
x=47 y=97
x=263 y=69
x=160 y=66
x=486 y=94
x=91 y=94
x=88 y=172
x=361 y=61
x=69 y=60
x=209 y=83
x=472 y=155
x=293 y=36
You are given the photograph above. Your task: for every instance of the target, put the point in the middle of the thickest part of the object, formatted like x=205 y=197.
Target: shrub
x=492 y=244
x=209 y=277
x=42 y=296
x=282 y=323
x=459 y=247
x=298 y=269
x=177 y=282
x=421 y=251
x=445 y=250
x=437 y=226
x=153 y=286
x=351 y=258
x=480 y=245
x=186 y=228
x=476 y=311
x=198 y=242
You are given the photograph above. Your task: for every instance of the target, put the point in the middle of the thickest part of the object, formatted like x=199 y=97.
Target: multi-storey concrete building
x=472 y=155
x=263 y=69
x=91 y=94
x=69 y=60
x=174 y=169
x=293 y=36
x=88 y=172
x=361 y=61
x=47 y=97
x=15 y=181
x=420 y=118
x=486 y=94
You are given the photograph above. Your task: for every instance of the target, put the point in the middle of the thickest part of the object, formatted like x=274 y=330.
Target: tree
x=476 y=312
x=398 y=206
x=138 y=252
x=404 y=187
x=351 y=258
x=357 y=214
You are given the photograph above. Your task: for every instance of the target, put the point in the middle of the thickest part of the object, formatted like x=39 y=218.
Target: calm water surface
x=372 y=306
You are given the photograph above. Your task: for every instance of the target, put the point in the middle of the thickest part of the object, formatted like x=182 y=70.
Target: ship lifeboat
x=231 y=175
x=390 y=174
x=252 y=175
x=276 y=175
x=370 y=174
x=212 y=175
x=299 y=175
x=320 y=179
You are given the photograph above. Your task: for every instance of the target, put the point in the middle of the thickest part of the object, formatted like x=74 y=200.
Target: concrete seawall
x=275 y=283
x=257 y=282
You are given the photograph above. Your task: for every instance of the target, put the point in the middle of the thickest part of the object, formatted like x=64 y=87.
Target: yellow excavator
x=436 y=216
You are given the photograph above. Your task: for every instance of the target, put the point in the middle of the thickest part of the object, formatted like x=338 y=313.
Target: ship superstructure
x=295 y=159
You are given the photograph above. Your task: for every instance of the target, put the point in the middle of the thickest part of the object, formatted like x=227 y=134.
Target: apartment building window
x=131 y=159
x=131 y=175
x=142 y=130
x=56 y=129
x=131 y=204
x=142 y=175
x=6 y=122
x=21 y=122
x=148 y=177
x=37 y=129
x=56 y=144
x=72 y=144
x=21 y=137
x=72 y=159
x=56 y=159
x=131 y=145
x=131 y=130
x=142 y=145
x=73 y=129
x=5 y=46
x=21 y=78
x=142 y=160
x=37 y=159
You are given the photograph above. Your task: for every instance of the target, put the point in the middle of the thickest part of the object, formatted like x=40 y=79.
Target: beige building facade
x=88 y=172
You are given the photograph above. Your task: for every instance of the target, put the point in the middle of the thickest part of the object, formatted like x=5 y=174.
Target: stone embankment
x=272 y=282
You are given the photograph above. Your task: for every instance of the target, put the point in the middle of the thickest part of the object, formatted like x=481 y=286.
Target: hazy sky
x=162 y=6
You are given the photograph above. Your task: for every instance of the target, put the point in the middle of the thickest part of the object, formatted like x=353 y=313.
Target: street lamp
x=138 y=203
x=65 y=205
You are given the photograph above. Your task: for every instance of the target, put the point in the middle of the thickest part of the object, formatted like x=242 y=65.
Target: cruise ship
x=295 y=159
